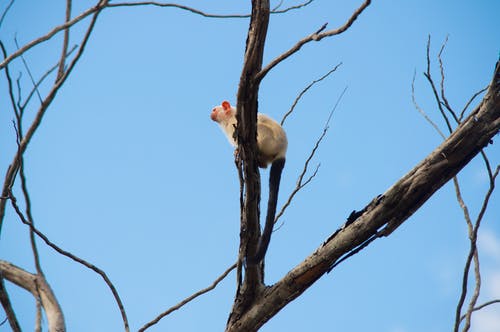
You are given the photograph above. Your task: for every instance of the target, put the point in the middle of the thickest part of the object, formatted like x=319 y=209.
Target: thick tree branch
x=247 y=103
x=387 y=212
x=7 y=307
x=38 y=286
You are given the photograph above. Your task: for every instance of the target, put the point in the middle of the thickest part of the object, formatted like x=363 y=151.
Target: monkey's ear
x=226 y=105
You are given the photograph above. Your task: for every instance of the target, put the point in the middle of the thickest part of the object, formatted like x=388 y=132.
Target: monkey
x=272 y=144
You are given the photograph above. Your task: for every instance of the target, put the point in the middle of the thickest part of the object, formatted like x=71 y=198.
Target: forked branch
x=384 y=214
x=315 y=36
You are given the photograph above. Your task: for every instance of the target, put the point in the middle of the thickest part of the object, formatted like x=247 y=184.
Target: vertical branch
x=7 y=306
x=247 y=131
x=62 y=61
x=247 y=103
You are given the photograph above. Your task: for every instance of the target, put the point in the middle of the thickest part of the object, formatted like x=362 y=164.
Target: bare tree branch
x=386 y=212
x=479 y=307
x=14 y=166
x=10 y=84
x=316 y=36
x=7 y=307
x=27 y=201
x=246 y=131
x=469 y=102
x=421 y=111
x=427 y=74
x=73 y=257
x=189 y=298
x=38 y=315
x=38 y=286
x=96 y=9
x=310 y=85
x=6 y=11
x=300 y=184
x=473 y=255
x=441 y=70
x=37 y=84
x=62 y=61
x=202 y=13
x=277 y=11
x=25 y=63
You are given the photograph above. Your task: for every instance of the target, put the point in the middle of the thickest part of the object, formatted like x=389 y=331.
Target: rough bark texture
x=247 y=103
x=386 y=212
x=38 y=286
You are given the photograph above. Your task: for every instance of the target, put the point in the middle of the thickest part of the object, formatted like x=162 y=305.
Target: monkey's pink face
x=222 y=113
x=215 y=114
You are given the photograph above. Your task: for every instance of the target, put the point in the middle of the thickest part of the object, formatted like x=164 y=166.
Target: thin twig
x=469 y=102
x=188 y=299
x=301 y=184
x=93 y=10
x=470 y=257
x=278 y=5
x=40 y=81
x=200 y=12
x=314 y=36
x=356 y=250
x=428 y=75
x=5 y=12
x=473 y=256
x=174 y=5
x=441 y=70
x=14 y=166
x=310 y=85
x=75 y=258
x=25 y=63
x=421 y=111
x=472 y=253
x=276 y=11
x=479 y=307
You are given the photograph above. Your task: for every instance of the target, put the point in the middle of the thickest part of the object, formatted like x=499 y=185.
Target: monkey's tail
x=274 y=186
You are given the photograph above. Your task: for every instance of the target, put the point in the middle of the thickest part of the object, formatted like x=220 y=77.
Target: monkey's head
x=223 y=113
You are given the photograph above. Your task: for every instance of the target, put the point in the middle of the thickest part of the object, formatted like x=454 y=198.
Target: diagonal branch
x=316 y=36
x=188 y=299
x=73 y=257
x=474 y=96
x=386 y=213
x=300 y=181
x=14 y=166
x=310 y=85
x=37 y=286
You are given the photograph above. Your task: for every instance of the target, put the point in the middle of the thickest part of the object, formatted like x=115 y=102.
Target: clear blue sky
x=128 y=171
